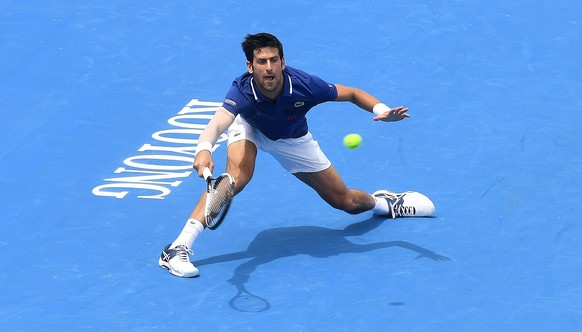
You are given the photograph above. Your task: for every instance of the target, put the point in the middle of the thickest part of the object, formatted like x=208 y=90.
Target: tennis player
x=265 y=110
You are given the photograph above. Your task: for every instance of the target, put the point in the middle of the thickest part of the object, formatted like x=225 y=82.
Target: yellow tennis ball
x=352 y=141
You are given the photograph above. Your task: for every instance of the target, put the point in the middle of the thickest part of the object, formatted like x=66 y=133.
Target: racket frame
x=210 y=183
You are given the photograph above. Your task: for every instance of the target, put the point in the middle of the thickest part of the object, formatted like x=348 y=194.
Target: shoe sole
x=164 y=265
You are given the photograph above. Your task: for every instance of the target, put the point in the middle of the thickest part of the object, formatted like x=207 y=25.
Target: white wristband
x=204 y=146
x=380 y=109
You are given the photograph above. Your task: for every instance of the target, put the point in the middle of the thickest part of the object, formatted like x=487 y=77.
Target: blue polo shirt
x=284 y=117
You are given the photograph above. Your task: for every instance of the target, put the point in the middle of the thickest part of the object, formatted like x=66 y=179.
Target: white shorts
x=301 y=154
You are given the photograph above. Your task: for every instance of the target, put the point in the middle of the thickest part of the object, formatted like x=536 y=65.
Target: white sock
x=189 y=233
x=381 y=206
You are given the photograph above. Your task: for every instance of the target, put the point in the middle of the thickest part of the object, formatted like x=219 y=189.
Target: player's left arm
x=366 y=101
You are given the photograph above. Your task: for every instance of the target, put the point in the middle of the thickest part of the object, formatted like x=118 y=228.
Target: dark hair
x=260 y=40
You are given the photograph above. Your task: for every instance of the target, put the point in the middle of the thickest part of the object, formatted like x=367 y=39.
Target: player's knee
x=240 y=185
x=241 y=179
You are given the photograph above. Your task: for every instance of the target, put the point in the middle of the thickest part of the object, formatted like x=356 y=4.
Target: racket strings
x=221 y=194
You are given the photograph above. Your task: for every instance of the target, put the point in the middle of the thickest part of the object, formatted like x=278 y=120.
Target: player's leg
x=241 y=156
x=330 y=186
x=304 y=159
x=240 y=163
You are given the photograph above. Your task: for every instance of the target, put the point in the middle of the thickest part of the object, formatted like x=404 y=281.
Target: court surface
x=102 y=104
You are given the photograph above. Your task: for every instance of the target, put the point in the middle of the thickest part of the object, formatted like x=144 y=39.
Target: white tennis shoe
x=407 y=204
x=177 y=261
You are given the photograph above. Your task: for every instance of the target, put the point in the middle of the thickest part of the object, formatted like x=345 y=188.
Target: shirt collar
x=286 y=86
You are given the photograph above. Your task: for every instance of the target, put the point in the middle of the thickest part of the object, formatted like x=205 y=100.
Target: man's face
x=267 y=70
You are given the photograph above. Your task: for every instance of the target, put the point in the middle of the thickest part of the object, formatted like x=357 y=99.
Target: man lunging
x=265 y=110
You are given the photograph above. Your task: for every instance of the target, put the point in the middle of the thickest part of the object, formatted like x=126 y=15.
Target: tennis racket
x=219 y=194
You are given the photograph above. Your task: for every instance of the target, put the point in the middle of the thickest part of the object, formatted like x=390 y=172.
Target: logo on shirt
x=230 y=102
x=299 y=104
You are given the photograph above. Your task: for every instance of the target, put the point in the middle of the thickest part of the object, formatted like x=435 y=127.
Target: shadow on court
x=319 y=242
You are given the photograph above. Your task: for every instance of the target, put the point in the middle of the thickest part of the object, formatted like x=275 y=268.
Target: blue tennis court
x=102 y=105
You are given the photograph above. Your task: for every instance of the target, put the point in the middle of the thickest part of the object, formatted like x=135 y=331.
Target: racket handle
x=206 y=173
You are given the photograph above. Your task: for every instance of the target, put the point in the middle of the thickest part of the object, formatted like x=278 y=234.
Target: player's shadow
x=319 y=242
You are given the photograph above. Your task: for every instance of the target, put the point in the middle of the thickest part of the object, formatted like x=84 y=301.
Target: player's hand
x=203 y=159
x=394 y=114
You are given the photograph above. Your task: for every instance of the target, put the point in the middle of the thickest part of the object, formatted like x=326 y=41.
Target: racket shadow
x=319 y=242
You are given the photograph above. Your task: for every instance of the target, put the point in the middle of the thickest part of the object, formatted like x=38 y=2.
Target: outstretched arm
x=217 y=125
x=366 y=101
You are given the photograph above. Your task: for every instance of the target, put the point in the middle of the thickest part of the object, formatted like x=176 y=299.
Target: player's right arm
x=221 y=120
